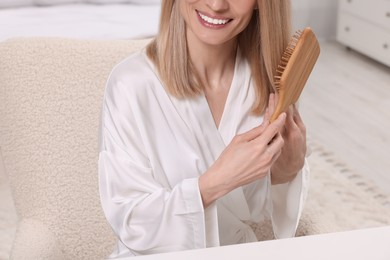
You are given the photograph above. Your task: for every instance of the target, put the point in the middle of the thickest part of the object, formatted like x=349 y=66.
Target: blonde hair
x=262 y=43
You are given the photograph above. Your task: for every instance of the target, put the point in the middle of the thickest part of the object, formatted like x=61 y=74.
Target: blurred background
x=346 y=101
x=109 y=18
x=320 y=15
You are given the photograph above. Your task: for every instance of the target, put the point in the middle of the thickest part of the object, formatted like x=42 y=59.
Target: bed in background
x=80 y=19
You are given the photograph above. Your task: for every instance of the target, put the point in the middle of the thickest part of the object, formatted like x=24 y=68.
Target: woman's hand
x=292 y=157
x=247 y=158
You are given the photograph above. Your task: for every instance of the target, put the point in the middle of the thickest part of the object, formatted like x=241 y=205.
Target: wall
x=320 y=15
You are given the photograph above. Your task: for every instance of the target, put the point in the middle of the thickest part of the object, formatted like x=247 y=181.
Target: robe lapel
x=229 y=126
x=215 y=140
x=210 y=141
x=233 y=110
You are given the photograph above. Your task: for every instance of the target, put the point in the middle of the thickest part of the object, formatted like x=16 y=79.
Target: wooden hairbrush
x=294 y=69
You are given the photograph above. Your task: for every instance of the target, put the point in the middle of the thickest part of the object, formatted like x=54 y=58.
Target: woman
x=188 y=155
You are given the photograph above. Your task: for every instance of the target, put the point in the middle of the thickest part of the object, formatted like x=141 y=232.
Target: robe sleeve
x=147 y=216
x=282 y=203
x=287 y=204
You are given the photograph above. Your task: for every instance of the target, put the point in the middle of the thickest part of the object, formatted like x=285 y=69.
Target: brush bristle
x=285 y=58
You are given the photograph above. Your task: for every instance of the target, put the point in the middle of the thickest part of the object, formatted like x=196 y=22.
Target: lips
x=216 y=22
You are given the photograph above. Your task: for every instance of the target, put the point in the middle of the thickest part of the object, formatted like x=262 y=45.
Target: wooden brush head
x=294 y=69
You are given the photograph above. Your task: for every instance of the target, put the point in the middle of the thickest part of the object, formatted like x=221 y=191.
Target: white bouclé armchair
x=50 y=96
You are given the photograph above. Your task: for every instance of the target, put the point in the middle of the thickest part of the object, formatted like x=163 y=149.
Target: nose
x=218 y=5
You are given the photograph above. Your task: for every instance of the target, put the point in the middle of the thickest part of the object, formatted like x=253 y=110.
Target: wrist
x=278 y=177
x=211 y=188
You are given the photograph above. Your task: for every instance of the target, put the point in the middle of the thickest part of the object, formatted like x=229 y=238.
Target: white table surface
x=365 y=244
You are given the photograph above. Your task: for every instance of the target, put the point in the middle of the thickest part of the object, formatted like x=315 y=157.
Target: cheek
x=244 y=6
x=245 y=10
x=248 y=19
x=245 y=20
x=184 y=9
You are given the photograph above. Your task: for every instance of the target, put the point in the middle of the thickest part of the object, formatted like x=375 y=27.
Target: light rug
x=339 y=200
x=343 y=197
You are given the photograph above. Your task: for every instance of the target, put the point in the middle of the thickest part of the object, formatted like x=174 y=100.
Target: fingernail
x=283 y=115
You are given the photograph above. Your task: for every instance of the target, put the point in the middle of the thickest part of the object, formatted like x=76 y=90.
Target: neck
x=213 y=63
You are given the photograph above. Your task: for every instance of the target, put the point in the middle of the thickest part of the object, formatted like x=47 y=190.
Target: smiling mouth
x=213 y=21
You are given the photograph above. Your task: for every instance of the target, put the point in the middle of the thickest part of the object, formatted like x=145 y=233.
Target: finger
x=266 y=117
x=253 y=133
x=276 y=145
x=290 y=117
x=271 y=103
x=276 y=155
x=276 y=99
x=297 y=116
x=271 y=130
x=298 y=119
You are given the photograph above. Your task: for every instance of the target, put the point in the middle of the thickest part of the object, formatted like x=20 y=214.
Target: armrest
x=34 y=240
x=312 y=222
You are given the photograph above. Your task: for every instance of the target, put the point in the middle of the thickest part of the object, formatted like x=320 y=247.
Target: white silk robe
x=154 y=147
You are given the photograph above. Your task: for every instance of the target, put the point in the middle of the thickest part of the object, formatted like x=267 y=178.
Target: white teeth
x=213 y=21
